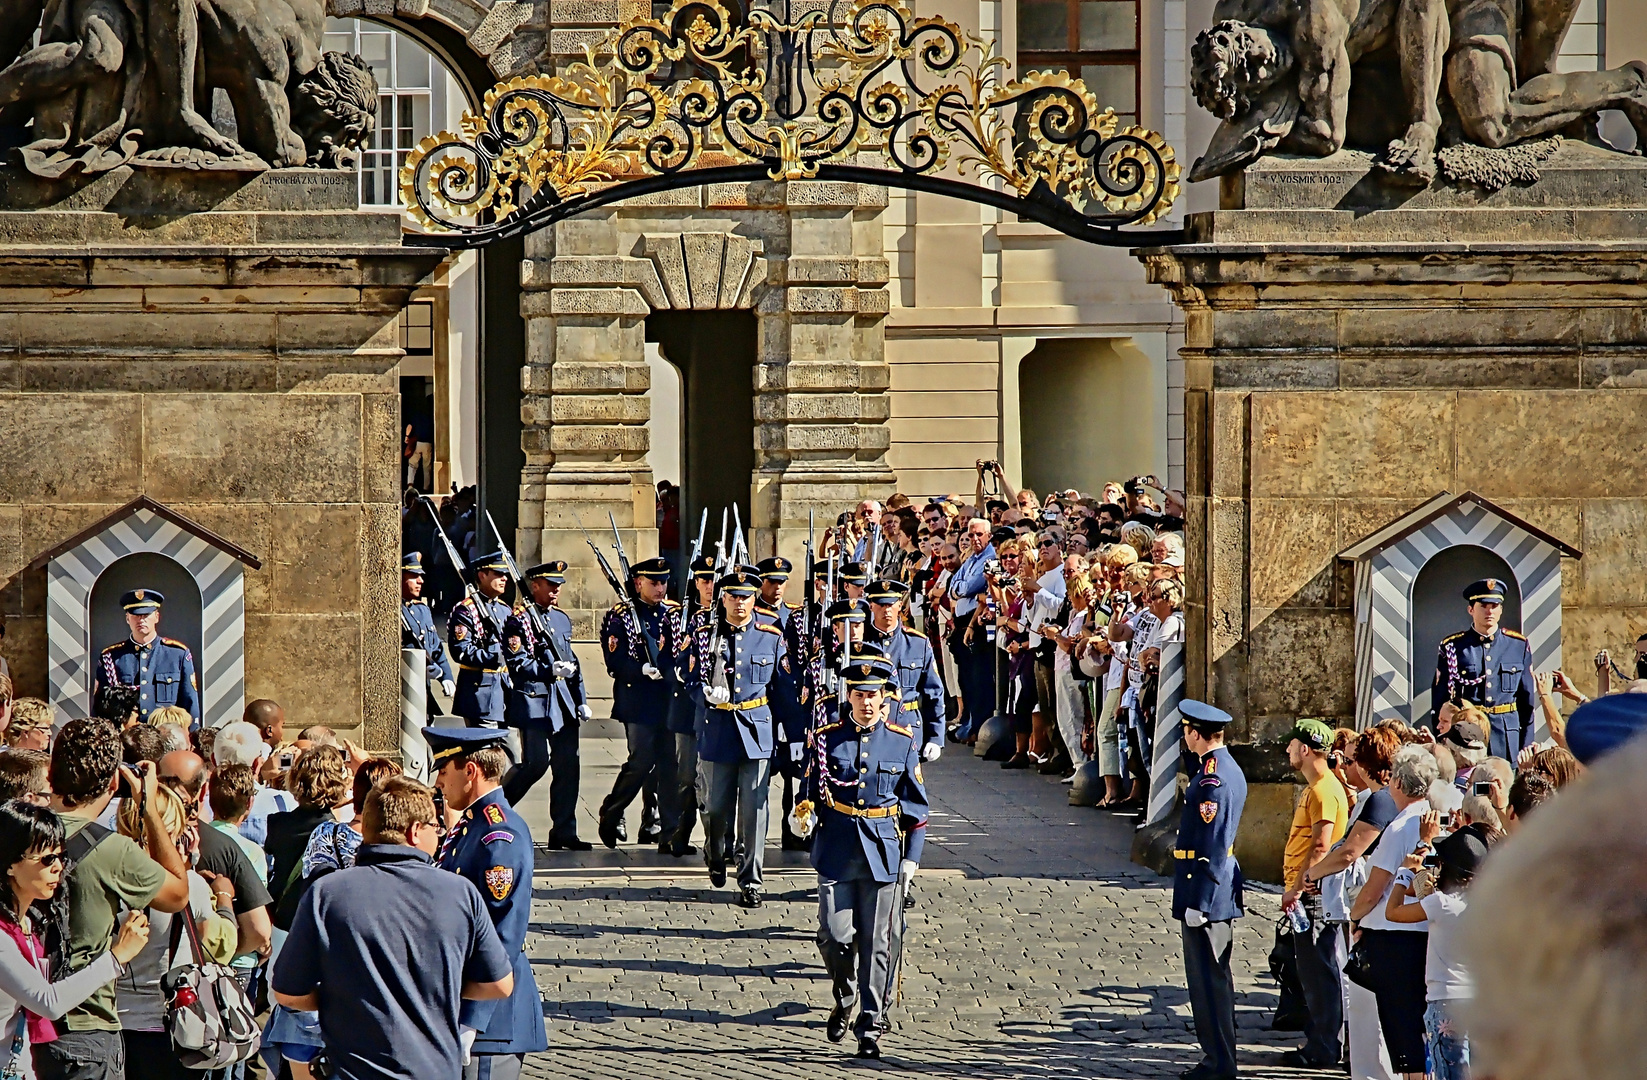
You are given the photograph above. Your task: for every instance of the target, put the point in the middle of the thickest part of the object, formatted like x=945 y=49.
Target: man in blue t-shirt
x=387 y=950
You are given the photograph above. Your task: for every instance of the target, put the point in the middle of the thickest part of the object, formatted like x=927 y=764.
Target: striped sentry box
x=414 y=713
x=1163 y=769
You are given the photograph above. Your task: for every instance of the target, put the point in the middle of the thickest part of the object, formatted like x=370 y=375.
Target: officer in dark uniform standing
x=162 y=669
x=1489 y=667
x=474 y=631
x=641 y=692
x=683 y=712
x=865 y=796
x=547 y=702
x=730 y=670
x=920 y=688
x=1206 y=886
x=418 y=629
x=490 y=846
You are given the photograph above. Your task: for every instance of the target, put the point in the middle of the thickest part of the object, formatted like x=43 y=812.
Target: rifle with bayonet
x=634 y=596
x=808 y=589
x=540 y=629
x=483 y=609
x=740 y=550
x=624 y=598
x=689 y=592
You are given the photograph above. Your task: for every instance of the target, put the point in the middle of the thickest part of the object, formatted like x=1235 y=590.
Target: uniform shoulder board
x=115 y=646
x=620 y=607
x=769 y=627
x=174 y=643
x=900 y=729
x=467 y=601
x=1518 y=637
x=668 y=603
x=795 y=607
x=827 y=727
x=1453 y=637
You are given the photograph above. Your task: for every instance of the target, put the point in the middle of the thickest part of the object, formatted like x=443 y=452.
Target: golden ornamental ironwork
x=860 y=92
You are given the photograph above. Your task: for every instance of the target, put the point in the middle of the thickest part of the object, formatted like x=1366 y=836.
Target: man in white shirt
x=241 y=743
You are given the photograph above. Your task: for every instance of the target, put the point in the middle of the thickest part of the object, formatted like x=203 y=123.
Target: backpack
x=297 y=884
x=210 y=1019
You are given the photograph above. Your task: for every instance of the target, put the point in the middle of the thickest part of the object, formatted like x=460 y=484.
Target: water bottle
x=1298 y=919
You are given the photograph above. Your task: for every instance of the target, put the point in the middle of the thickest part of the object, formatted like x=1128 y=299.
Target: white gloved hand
x=466 y=1040
x=1194 y=918
x=651 y=672
x=797 y=751
x=585 y=713
x=930 y=751
x=717 y=695
x=802 y=820
x=906 y=872
x=564 y=669
x=449 y=686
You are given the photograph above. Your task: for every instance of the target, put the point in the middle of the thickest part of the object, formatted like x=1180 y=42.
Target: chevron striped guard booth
x=1390 y=579
x=217 y=567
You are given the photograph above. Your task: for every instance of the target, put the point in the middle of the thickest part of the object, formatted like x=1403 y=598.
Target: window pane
x=1109 y=24
x=341 y=43
x=374 y=49
x=1043 y=25
x=1114 y=85
x=412 y=62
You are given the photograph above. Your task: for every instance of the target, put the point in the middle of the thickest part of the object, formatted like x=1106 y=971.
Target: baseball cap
x=1314 y=734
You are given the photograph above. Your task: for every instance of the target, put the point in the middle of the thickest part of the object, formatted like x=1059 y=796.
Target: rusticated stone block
x=573 y=378
x=591 y=439
x=1353 y=443
x=828 y=300
x=252 y=447
x=315 y=563
x=1514 y=438
x=70 y=448
x=1615 y=550
x=599 y=408
x=284 y=653
x=1293 y=544
x=1279 y=645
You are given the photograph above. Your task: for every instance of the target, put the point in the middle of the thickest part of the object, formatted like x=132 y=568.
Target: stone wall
x=238 y=365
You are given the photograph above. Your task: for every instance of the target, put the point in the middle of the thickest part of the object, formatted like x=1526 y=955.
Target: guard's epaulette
x=115 y=646
x=671 y=603
x=419 y=600
x=769 y=627
x=828 y=727
x=467 y=601
x=620 y=606
x=1454 y=637
x=795 y=607
x=1518 y=637
x=176 y=644
x=900 y=729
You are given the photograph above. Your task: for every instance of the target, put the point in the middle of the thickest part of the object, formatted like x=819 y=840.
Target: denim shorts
x=1446 y=1044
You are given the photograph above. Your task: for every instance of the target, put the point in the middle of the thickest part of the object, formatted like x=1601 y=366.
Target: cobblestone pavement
x=1036 y=949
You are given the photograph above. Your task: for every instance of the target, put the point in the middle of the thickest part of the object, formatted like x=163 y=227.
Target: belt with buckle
x=872 y=812
x=486 y=670
x=1499 y=709
x=752 y=703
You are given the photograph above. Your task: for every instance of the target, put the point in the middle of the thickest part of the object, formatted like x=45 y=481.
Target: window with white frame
x=1094 y=40
x=404 y=71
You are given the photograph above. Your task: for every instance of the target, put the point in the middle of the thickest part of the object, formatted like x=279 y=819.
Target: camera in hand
x=1432 y=862
x=1484 y=788
x=997 y=573
x=115 y=703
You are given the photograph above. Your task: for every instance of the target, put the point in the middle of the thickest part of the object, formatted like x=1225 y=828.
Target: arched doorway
x=1439 y=611
x=180 y=618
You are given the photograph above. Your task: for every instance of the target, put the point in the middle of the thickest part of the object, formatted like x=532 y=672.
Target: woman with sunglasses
x=34 y=918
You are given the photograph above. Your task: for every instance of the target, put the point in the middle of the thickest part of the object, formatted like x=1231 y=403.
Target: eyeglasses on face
x=46 y=859
x=1047 y=543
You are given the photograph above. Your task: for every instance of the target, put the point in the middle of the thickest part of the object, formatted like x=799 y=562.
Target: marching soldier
x=920 y=689
x=854 y=579
x=418 y=630
x=731 y=669
x=162 y=669
x=683 y=713
x=491 y=846
x=865 y=796
x=474 y=630
x=1206 y=886
x=1489 y=667
x=641 y=692
x=547 y=703
x=787 y=709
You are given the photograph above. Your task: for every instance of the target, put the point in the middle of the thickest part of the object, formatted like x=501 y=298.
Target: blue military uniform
x=865 y=787
x=736 y=736
x=475 y=632
x=163 y=670
x=683 y=720
x=418 y=631
x=1206 y=894
x=788 y=711
x=641 y=701
x=491 y=847
x=1495 y=673
x=546 y=701
x=919 y=685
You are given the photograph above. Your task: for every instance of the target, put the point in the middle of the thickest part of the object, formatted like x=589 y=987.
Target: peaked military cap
x=553 y=572
x=855 y=573
x=1202 y=713
x=412 y=563
x=776 y=568
x=656 y=567
x=886 y=591
x=449 y=742
x=869 y=672
x=844 y=610
x=740 y=583
x=141 y=601
x=1488 y=590
x=703 y=566
x=495 y=560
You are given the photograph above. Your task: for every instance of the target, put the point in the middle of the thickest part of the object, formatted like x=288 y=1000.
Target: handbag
x=1359 y=967
x=14 y=1066
x=208 y=1015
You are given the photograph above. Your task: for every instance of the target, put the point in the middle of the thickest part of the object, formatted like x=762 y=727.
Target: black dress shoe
x=868 y=1046
x=1201 y=1072
x=1295 y=1059
x=1291 y=1021
x=623 y=830
x=573 y=844
x=610 y=833
x=750 y=897
x=1017 y=761
x=839 y=1017
x=717 y=873
x=909 y=900
x=651 y=836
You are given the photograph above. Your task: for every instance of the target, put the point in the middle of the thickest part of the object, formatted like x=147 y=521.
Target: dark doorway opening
x=715 y=352
x=1439 y=610
x=179 y=617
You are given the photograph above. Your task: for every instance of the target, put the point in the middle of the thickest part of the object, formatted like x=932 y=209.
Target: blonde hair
x=29 y=714
x=1170 y=590
x=1139 y=535
x=1014 y=546
x=130 y=818
x=1475 y=715
x=171 y=714
x=1121 y=556
x=1137 y=573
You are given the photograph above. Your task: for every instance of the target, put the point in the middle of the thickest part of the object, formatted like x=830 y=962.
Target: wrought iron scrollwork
x=860 y=91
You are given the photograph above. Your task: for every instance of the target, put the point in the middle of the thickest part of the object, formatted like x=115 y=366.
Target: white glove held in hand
x=799 y=824
x=717 y=695
x=466 y=1041
x=651 y=672
x=906 y=872
x=1194 y=918
x=449 y=686
x=930 y=751
x=585 y=713
x=564 y=669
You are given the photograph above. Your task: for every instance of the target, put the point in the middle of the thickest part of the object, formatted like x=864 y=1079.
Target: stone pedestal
x=806 y=258
x=226 y=345
x=1352 y=349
